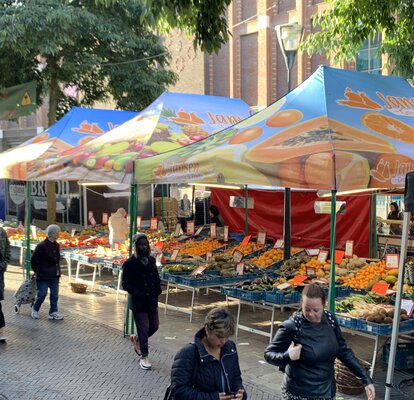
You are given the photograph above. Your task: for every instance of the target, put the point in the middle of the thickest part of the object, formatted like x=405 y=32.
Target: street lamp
x=289 y=37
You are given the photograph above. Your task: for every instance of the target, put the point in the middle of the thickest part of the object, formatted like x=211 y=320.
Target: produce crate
x=198 y=281
x=249 y=295
x=404 y=358
x=91 y=260
x=228 y=291
x=281 y=297
x=340 y=291
x=379 y=329
x=346 y=321
x=238 y=237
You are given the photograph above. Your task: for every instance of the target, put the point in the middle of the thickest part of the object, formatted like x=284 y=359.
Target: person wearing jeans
x=45 y=263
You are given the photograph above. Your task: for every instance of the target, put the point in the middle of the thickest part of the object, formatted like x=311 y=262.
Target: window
x=366 y=58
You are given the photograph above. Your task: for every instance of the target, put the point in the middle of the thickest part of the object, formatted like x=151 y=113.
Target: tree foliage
x=348 y=23
x=101 y=50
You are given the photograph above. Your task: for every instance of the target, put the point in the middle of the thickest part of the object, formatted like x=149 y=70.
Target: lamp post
x=289 y=37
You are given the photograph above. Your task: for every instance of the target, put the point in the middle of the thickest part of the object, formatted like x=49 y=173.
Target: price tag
x=310 y=271
x=90 y=215
x=159 y=245
x=177 y=230
x=349 y=248
x=246 y=240
x=199 y=270
x=237 y=256
x=190 y=227
x=312 y=252
x=213 y=233
x=116 y=246
x=322 y=256
x=279 y=244
x=104 y=218
x=198 y=231
x=240 y=268
x=154 y=224
x=380 y=288
x=392 y=261
x=284 y=285
x=299 y=279
x=261 y=238
x=33 y=231
x=139 y=219
x=407 y=305
x=339 y=255
x=93 y=222
x=174 y=254
x=226 y=234
x=72 y=232
x=209 y=256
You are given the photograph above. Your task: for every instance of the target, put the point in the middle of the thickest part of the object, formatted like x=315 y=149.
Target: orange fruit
x=389 y=170
x=246 y=135
x=388 y=126
x=352 y=171
x=284 y=118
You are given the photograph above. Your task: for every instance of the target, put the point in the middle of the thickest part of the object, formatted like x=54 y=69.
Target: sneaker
x=144 y=363
x=135 y=342
x=35 y=314
x=55 y=315
x=2 y=337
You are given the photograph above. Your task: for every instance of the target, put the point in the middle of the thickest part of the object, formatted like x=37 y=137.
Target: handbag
x=168 y=393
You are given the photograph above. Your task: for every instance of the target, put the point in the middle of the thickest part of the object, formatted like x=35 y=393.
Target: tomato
x=246 y=136
x=284 y=118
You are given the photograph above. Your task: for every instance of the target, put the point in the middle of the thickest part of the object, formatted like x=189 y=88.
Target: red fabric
x=308 y=230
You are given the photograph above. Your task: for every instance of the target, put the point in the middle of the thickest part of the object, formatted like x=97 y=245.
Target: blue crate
x=249 y=295
x=279 y=297
x=228 y=291
x=238 y=237
x=404 y=358
x=362 y=325
x=228 y=280
x=346 y=321
x=340 y=291
x=379 y=329
x=199 y=281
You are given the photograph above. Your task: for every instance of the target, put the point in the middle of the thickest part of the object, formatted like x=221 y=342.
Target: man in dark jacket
x=4 y=260
x=45 y=263
x=141 y=280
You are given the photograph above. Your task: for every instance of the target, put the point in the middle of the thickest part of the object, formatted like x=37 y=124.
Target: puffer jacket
x=45 y=260
x=197 y=375
x=312 y=376
x=4 y=259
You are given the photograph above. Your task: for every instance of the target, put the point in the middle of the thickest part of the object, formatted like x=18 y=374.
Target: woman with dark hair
x=305 y=348
x=395 y=214
x=215 y=217
x=209 y=368
x=141 y=280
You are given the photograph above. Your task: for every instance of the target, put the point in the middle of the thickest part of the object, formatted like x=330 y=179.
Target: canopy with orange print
x=77 y=127
x=338 y=130
x=174 y=120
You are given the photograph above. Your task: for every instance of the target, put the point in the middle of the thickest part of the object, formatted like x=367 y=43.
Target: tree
x=101 y=50
x=347 y=24
x=205 y=20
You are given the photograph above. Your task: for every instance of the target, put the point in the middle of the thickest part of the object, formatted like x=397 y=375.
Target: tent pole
x=370 y=224
x=397 y=306
x=331 y=295
x=375 y=227
x=28 y=223
x=286 y=224
x=246 y=210
x=162 y=203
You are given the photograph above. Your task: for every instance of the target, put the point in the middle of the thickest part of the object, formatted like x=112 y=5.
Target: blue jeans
x=42 y=286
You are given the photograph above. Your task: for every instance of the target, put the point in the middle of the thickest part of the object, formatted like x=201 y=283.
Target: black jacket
x=142 y=282
x=313 y=374
x=45 y=260
x=197 y=375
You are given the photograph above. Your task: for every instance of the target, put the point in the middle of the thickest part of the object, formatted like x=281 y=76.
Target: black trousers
x=2 y=322
x=147 y=324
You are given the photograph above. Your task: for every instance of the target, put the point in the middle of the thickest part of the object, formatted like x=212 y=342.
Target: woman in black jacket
x=141 y=280
x=208 y=369
x=305 y=347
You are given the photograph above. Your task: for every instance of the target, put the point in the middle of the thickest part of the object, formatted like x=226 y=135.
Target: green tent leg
x=28 y=223
x=162 y=203
x=332 y=253
x=246 y=210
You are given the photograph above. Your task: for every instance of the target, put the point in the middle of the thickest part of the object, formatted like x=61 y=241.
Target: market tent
x=338 y=130
x=78 y=126
x=174 y=120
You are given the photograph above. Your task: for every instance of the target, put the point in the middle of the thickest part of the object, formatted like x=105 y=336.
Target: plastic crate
x=340 y=291
x=238 y=237
x=249 y=295
x=404 y=358
x=379 y=329
x=198 y=281
x=280 y=297
x=228 y=291
x=346 y=321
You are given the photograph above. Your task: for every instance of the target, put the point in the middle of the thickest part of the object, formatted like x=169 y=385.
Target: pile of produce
x=367 y=276
x=257 y=285
x=225 y=266
x=179 y=268
x=244 y=248
x=199 y=247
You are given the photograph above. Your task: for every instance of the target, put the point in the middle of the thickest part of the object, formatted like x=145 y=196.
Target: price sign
x=310 y=271
x=116 y=246
x=198 y=231
x=392 y=261
x=159 y=245
x=199 y=270
x=139 y=219
x=279 y=244
x=33 y=231
x=174 y=254
x=322 y=256
x=246 y=240
x=349 y=248
x=104 y=218
x=177 y=230
x=284 y=285
x=226 y=234
x=339 y=255
x=407 y=305
x=240 y=268
x=190 y=227
x=380 y=288
x=90 y=215
x=213 y=232
x=72 y=232
x=261 y=238
x=209 y=256
x=237 y=256
x=154 y=224
x=312 y=252
x=299 y=279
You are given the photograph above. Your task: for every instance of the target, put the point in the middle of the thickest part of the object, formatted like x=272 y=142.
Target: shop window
x=367 y=59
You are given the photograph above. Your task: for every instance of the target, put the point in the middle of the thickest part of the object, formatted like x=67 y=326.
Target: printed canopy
x=338 y=130
x=174 y=120
x=78 y=126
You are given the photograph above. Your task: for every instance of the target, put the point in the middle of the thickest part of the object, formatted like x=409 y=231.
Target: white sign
x=33 y=231
x=209 y=256
x=226 y=234
x=104 y=218
x=213 y=231
x=190 y=227
x=261 y=238
x=17 y=193
x=174 y=254
x=279 y=244
x=153 y=224
x=177 y=230
x=240 y=268
x=312 y=252
x=139 y=219
x=349 y=248
x=323 y=255
x=199 y=230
